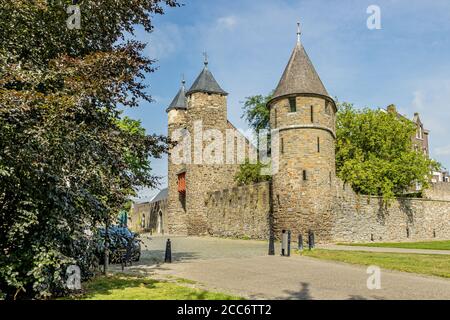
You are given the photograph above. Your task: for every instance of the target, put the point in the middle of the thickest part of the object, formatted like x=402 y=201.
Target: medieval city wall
x=364 y=219
x=438 y=191
x=240 y=212
x=244 y=212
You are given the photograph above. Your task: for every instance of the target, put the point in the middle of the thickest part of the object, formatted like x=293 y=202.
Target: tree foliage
x=256 y=112
x=250 y=173
x=257 y=116
x=67 y=160
x=374 y=153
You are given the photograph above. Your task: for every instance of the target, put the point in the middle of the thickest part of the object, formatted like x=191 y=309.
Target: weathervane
x=299 y=32
x=206 y=58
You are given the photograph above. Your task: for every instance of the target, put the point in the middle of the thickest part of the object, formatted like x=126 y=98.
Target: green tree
x=250 y=173
x=256 y=112
x=375 y=155
x=67 y=160
x=257 y=116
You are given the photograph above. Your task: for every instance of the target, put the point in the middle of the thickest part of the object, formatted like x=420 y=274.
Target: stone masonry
x=304 y=193
x=240 y=212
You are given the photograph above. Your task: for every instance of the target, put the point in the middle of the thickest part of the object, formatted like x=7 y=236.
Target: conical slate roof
x=299 y=76
x=205 y=82
x=179 y=102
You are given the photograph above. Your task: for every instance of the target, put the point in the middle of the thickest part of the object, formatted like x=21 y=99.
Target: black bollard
x=271 y=244
x=310 y=240
x=168 y=257
x=289 y=244
x=300 y=242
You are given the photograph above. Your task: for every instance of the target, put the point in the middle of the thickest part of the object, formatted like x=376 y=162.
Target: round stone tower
x=176 y=211
x=302 y=114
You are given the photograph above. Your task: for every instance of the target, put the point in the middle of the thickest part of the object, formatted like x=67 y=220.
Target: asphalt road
x=243 y=268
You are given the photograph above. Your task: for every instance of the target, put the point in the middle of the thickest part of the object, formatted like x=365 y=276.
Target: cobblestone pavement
x=243 y=268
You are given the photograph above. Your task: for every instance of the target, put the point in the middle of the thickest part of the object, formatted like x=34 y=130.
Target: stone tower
x=207 y=121
x=202 y=112
x=176 y=210
x=303 y=114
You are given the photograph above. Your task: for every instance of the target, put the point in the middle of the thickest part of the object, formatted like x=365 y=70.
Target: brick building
x=421 y=136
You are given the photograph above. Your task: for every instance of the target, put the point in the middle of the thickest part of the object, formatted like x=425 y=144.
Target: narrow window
x=305 y=177
x=282 y=145
x=420 y=132
x=275 y=116
x=293 y=104
x=182 y=183
x=312 y=114
x=327 y=107
x=318 y=144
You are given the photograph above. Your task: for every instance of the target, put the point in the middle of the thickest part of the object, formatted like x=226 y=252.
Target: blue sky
x=249 y=43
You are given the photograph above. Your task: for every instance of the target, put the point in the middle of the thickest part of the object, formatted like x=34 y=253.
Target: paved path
x=195 y=248
x=244 y=268
x=378 y=249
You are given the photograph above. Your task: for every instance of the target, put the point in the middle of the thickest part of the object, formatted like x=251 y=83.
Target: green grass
x=429 y=264
x=125 y=287
x=431 y=245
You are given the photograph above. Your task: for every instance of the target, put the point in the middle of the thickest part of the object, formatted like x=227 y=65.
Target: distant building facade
x=150 y=216
x=420 y=137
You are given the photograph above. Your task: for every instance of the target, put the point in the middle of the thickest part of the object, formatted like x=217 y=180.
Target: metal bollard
x=300 y=242
x=271 y=244
x=289 y=243
x=286 y=243
x=311 y=240
x=168 y=257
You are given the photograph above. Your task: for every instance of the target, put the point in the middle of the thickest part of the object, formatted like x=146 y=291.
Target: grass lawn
x=432 y=245
x=125 y=287
x=435 y=265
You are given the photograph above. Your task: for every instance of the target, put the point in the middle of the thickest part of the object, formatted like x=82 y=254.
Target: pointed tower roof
x=179 y=102
x=300 y=76
x=205 y=82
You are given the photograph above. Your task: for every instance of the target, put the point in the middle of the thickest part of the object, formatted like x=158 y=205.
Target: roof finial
x=183 y=81
x=299 y=32
x=206 y=59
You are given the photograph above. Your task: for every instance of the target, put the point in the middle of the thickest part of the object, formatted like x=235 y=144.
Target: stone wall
x=243 y=212
x=240 y=212
x=438 y=191
x=364 y=219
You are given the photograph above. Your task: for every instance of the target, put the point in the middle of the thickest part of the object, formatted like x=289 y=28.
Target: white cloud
x=418 y=101
x=164 y=41
x=228 y=22
x=443 y=151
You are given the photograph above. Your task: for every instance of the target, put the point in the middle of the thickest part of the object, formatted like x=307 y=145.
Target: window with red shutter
x=182 y=182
